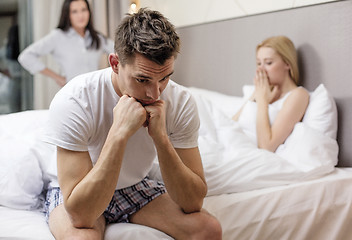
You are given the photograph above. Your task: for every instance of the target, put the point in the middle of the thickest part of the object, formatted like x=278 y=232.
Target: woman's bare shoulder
x=300 y=92
x=299 y=96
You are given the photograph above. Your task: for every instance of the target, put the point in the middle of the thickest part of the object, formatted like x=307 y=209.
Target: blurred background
x=25 y=21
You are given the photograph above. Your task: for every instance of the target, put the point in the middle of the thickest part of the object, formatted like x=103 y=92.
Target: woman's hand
x=60 y=80
x=264 y=92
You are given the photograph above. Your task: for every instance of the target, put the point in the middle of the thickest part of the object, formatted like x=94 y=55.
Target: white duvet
x=233 y=163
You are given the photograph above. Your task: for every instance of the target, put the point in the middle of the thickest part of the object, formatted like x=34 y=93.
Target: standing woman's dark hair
x=65 y=23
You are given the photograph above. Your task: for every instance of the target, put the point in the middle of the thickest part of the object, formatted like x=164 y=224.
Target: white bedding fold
x=319 y=209
x=233 y=163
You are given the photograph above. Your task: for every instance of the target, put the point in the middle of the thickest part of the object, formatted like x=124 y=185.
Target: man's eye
x=165 y=78
x=268 y=63
x=141 y=80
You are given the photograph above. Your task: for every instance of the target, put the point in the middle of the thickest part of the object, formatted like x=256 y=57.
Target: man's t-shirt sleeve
x=68 y=126
x=184 y=130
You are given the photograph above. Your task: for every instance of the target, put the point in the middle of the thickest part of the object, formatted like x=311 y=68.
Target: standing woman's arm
x=30 y=57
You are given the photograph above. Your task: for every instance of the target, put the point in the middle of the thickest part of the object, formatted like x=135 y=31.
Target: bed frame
x=220 y=56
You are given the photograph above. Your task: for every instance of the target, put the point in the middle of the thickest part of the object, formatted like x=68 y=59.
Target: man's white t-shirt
x=81 y=115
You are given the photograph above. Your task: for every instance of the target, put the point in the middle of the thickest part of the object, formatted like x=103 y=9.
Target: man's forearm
x=184 y=186
x=89 y=198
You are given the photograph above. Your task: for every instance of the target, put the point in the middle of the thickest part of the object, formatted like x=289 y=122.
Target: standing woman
x=277 y=103
x=75 y=45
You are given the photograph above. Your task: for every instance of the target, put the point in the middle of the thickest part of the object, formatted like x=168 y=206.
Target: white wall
x=190 y=12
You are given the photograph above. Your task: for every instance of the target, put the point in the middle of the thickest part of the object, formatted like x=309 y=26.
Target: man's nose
x=153 y=91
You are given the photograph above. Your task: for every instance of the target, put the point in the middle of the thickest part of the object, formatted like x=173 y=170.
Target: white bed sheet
x=31 y=225
x=319 y=209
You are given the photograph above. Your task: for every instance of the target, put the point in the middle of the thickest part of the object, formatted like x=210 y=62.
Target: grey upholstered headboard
x=220 y=56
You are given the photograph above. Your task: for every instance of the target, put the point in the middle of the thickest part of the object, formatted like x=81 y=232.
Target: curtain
x=45 y=18
x=25 y=38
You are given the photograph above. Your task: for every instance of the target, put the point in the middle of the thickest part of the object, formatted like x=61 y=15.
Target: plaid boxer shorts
x=123 y=204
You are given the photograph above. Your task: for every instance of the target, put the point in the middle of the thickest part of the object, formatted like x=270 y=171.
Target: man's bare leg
x=165 y=215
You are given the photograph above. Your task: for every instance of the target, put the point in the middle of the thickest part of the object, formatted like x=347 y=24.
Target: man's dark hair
x=149 y=33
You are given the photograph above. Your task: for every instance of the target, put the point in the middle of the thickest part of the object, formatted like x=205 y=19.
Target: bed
x=306 y=195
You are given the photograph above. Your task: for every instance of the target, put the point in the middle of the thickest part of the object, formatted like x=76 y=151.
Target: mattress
x=317 y=209
x=31 y=225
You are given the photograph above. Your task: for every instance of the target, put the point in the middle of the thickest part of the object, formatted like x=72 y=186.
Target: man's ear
x=114 y=62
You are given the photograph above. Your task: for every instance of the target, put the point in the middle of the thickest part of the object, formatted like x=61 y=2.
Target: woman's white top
x=248 y=117
x=70 y=50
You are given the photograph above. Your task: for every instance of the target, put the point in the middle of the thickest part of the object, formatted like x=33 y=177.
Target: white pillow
x=248 y=91
x=321 y=113
x=227 y=104
x=21 y=160
x=20 y=175
x=309 y=149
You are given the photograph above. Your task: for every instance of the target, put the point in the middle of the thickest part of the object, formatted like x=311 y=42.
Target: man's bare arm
x=87 y=190
x=183 y=176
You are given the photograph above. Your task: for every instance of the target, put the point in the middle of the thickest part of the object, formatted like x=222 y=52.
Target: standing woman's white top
x=70 y=51
x=74 y=45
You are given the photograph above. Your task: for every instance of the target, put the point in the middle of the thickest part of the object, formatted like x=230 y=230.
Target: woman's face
x=271 y=62
x=79 y=14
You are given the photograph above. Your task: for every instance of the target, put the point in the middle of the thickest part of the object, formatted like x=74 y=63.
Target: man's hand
x=129 y=116
x=156 y=119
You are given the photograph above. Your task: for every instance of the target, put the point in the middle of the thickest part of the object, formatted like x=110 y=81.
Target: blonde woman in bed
x=277 y=103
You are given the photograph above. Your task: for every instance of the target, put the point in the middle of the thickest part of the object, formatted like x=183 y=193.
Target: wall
x=220 y=56
x=185 y=12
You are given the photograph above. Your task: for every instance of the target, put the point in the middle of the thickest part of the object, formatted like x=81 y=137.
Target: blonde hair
x=286 y=49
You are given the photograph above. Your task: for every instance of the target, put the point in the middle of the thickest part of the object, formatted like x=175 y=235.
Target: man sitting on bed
x=109 y=126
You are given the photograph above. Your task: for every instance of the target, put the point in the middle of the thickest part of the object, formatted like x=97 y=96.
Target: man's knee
x=85 y=234
x=213 y=228
x=207 y=227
